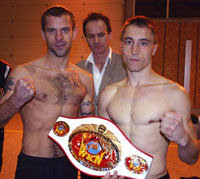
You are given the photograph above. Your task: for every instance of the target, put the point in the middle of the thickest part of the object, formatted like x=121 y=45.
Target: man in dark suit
x=4 y=71
x=103 y=63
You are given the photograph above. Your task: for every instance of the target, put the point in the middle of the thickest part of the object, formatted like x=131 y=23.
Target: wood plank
x=39 y=2
x=188 y=32
x=20 y=22
x=171 y=50
x=158 y=59
x=197 y=81
x=113 y=11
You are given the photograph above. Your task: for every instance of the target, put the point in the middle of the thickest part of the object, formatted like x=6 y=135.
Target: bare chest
x=139 y=107
x=59 y=89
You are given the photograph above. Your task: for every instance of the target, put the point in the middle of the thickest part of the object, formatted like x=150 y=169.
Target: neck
x=143 y=77
x=57 y=62
x=101 y=58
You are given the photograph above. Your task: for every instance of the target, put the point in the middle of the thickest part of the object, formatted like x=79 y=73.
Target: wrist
x=15 y=103
x=184 y=141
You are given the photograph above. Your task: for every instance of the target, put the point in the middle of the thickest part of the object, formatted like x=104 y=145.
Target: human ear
x=74 y=33
x=43 y=35
x=155 y=47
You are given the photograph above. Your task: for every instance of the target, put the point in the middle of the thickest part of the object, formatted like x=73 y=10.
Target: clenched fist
x=172 y=127
x=24 y=90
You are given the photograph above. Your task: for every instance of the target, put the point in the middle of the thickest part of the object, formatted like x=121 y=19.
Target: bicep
x=183 y=107
x=11 y=80
x=8 y=89
x=102 y=108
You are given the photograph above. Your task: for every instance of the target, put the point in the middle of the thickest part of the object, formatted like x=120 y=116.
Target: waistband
x=41 y=160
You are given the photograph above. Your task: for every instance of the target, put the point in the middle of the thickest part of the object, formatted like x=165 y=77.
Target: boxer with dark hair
x=150 y=109
x=42 y=90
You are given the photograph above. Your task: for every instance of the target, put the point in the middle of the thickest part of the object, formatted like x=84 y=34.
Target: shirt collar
x=90 y=58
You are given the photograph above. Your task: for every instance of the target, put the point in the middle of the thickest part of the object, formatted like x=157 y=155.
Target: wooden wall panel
x=188 y=32
x=158 y=59
x=197 y=81
x=21 y=39
x=20 y=34
x=171 y=50
x=48 y=2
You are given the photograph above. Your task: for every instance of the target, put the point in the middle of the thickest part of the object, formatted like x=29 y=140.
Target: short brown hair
x=140 y=21
x=57 y=11
x=94 y=16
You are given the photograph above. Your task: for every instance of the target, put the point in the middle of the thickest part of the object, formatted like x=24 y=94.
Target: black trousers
x=83 y=176
x=29 y=167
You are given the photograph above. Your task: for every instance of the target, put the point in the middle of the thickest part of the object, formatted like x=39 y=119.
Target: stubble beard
x=60 y=54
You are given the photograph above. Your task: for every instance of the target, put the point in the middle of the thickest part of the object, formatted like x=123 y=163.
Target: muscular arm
x=15 y=97
x=189 y=151
x=177 y=127
x=104 y=100
x=7 y=110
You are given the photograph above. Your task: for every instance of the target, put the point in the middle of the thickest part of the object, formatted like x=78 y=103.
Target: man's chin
x=98 y=51
x=59 y=54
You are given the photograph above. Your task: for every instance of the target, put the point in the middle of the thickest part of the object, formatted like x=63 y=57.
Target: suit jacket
x=115 y=71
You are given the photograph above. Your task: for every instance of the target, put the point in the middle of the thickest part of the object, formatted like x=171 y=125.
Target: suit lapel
x=89 y=68
x=107 y=77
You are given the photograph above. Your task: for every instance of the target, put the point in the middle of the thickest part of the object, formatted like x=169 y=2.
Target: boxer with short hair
x=150 y=109
x=43 y=90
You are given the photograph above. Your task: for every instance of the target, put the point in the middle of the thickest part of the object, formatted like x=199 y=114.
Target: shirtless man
x=155 y=110
x=41 y=91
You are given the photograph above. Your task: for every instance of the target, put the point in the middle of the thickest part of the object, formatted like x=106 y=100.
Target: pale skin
x=150 y=109
x=47 y=88
x=98 y=41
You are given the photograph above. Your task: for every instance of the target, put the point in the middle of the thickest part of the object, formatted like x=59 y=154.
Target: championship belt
x=96 y=146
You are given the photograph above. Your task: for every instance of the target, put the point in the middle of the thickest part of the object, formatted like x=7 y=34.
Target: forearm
x=89 y=112
x=8 y=109
x=188 y=150
x=87 y=108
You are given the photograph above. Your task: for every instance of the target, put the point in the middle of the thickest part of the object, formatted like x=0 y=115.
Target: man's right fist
x=24 y=90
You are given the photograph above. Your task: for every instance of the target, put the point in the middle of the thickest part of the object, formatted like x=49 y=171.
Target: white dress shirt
x=97 y=74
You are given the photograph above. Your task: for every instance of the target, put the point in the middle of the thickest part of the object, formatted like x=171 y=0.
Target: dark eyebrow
x=66 y=28
x=50 y=28
x=128 y=38
x=145 y=40
x=101 y=33
x=90 y=34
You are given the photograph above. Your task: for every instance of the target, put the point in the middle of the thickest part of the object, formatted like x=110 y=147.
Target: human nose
x=135 y=48
x=59 y=35
x=96 y=39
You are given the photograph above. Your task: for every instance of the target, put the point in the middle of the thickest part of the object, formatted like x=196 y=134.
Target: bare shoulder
x=179 y=98
x=170 y=87
x=19 y=72
x=111 y=90
x=26 y=69
x=176 y=90
x=176 y=93
x=84 y=75
x=107 y=95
